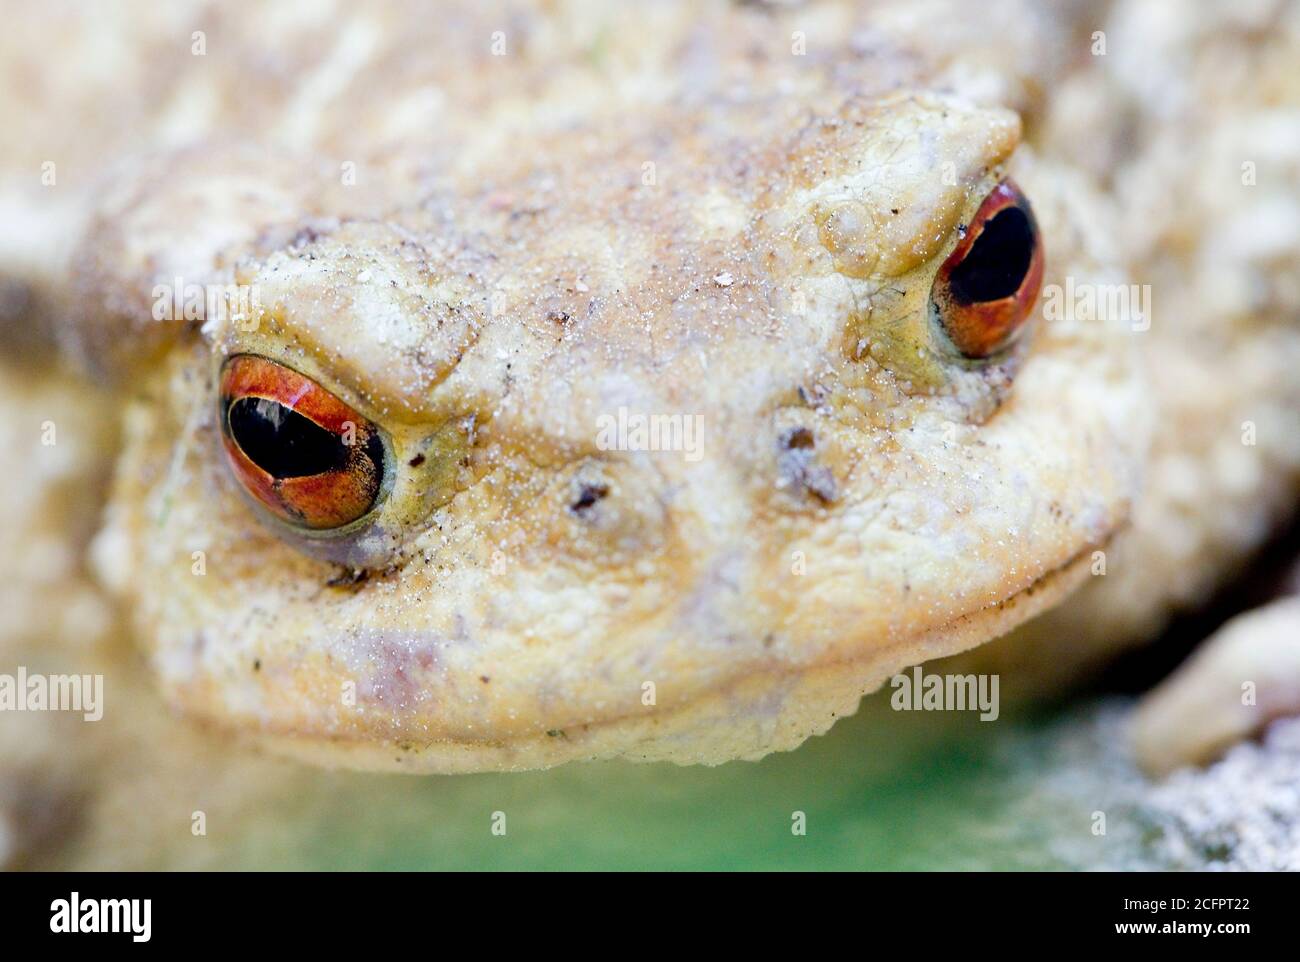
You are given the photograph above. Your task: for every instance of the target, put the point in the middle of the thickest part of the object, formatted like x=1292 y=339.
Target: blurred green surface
x=880 y=791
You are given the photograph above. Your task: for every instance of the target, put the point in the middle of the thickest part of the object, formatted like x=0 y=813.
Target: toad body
x=519 y=385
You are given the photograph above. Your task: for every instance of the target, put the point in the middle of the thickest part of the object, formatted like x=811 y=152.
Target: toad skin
x=672 y=211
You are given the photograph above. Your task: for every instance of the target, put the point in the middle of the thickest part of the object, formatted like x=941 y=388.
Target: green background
x=882 y=790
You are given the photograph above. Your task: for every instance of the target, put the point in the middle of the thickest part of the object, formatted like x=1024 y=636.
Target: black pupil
x=282 y=442
x=996 y=264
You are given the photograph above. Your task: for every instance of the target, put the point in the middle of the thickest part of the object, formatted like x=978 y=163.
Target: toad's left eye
x=305 y=455
x=986 y=288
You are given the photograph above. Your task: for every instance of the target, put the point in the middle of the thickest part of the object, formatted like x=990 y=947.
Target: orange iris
x=986 y=288
x=303 y=454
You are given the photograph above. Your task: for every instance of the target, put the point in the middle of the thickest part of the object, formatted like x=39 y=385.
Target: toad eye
x=986 y=288
x=302 y=453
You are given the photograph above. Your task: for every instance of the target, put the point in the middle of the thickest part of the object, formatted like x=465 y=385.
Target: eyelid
x=251 y=375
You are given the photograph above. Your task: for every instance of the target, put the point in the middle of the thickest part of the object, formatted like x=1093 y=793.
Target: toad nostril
x=796 y=438
x=588 y=496
x=798 y=466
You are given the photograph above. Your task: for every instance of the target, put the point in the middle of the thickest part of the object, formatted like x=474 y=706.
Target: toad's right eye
x=299 y=451
x=986 y=288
